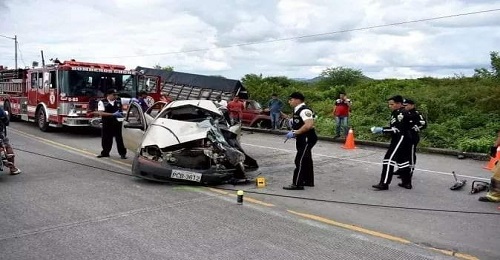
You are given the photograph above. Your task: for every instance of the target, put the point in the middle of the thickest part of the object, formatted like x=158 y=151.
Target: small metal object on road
x=481 y=186
x=239 y=197
x=458 y=184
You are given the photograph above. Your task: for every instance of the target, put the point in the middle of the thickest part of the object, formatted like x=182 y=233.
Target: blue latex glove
x=118 y=114
x=134 y=100
x=289 y=135
x=377 y=129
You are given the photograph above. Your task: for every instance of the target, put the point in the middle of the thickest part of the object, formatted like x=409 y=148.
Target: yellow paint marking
x=455 y=254
x=465 y=256
x=351 y=227
x=51 y=142
x=380 y=235
x=257 y=201
x=64 y=146
x=251 y=200
x=219 y=191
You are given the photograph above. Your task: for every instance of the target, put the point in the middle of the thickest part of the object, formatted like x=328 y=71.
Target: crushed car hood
x=167 y=132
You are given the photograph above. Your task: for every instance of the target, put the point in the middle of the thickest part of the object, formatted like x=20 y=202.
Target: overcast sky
x=165 y=32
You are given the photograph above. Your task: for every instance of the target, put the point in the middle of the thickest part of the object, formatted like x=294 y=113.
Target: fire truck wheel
x=41 y=120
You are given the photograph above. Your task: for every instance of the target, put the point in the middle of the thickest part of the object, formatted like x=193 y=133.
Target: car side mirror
x=134 y=126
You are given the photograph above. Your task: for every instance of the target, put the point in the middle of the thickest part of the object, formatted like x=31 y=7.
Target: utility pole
x=15 y=46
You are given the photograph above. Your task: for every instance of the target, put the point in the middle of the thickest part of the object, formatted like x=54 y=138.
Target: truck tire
x=41 y=120
x=8 y=109
x=262 y=124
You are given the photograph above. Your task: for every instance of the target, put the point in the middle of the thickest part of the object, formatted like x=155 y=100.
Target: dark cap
x=111 y=91
x=297 y=95
x=408 y=101
x=396 y=99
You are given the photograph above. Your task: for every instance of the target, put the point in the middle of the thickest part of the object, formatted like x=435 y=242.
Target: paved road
x=58 y=209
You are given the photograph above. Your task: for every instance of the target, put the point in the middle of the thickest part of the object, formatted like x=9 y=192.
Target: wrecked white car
x=185 y=141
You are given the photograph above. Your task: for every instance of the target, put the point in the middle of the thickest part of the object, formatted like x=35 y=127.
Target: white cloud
x=135 y=33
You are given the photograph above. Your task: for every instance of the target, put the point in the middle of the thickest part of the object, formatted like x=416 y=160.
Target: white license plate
x=185 y=175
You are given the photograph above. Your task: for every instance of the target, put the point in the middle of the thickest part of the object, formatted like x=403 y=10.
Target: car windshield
x=253 y=105
x=95 y=84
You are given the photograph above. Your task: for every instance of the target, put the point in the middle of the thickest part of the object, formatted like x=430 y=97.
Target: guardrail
x=475 y=156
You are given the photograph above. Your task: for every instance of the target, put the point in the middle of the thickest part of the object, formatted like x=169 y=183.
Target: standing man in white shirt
x=305 y=135
x=110 y=109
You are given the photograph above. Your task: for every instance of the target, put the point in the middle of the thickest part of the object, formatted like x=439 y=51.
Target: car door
x=153 y=111
x=133 y=127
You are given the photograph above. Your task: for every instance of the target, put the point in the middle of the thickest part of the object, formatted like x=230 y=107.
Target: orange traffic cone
x=349 y=141
x=493 y=160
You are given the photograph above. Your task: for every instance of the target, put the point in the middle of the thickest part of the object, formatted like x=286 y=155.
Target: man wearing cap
x=418 y=123
x=305 y=135
x=399 y=151
x=110 y=109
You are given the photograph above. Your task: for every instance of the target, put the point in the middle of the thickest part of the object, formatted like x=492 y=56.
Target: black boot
x=381 y=186
x=293 y=187
x=406 y=186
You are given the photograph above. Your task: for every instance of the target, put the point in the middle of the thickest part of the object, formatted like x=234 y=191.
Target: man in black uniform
x=418 y=123
x=305 y=135
x=399 y=151
x=110 y=109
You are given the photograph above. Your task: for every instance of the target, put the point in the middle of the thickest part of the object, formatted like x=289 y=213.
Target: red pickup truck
x=254 y=115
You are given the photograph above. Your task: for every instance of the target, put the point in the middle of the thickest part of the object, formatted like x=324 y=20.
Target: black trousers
x=110 y=130
x=304 y=172
x=413 y=162
x=399 y=154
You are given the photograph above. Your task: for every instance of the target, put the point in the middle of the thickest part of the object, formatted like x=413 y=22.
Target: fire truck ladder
x=11 y=81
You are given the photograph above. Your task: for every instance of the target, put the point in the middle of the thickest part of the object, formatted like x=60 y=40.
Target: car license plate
x=185 y=175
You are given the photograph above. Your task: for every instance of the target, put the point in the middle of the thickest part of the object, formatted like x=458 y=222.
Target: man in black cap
x=110 y=110
x=399 y=151
x=418 y=123
x=303 y=131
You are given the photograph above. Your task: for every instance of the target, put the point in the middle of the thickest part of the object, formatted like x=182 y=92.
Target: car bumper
x=153 y=170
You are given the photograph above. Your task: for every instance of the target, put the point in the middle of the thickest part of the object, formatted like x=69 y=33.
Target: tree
x=167 y=68
x=340 y=76
x=494 y=72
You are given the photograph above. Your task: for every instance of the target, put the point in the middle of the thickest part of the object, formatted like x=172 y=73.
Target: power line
x=307 y=36
x=12 y=38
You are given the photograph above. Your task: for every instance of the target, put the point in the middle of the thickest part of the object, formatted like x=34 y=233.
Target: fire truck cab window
x=40 y=80
x=33 y=80
x=95 y=84
x=53 y=82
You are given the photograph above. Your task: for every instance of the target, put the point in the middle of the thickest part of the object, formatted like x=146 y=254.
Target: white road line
x=363 y=161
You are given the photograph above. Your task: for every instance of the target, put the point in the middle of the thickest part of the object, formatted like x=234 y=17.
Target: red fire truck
x=63 y=93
